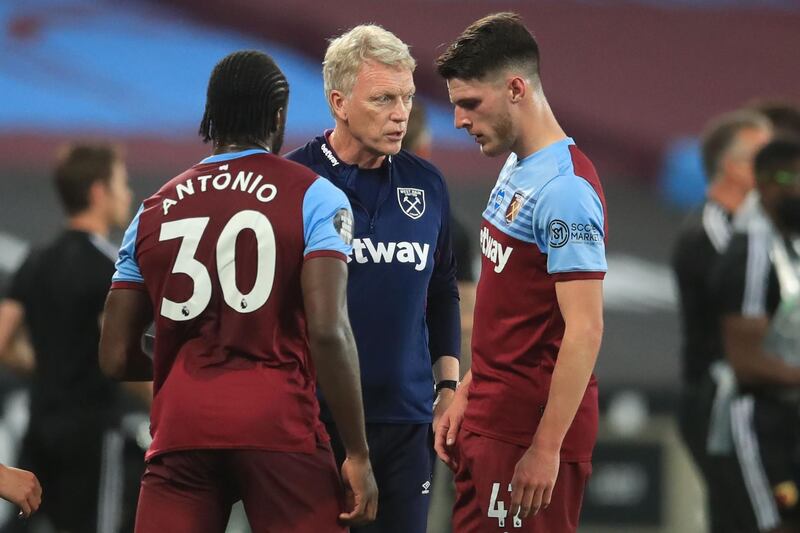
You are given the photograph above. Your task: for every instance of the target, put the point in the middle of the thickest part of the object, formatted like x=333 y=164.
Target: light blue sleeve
x=127 y=266
x=568 y=225
x=327 y=219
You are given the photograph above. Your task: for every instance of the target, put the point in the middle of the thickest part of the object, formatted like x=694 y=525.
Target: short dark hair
x=78 y=168
x=784 y=116
x=493 y=43
x=417 y=124
x=720 y=134
x=780 y=154
x=245 y=91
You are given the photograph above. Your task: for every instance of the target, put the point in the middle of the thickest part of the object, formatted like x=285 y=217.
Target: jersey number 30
x=190 y=231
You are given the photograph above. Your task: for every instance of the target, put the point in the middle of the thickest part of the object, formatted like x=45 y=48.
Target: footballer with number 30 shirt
x=241 y=262
x=521 y=430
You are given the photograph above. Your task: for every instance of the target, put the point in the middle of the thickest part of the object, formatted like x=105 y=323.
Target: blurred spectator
x=729 y=145
x=757 y=284
x=74 y=441
x=784 y=115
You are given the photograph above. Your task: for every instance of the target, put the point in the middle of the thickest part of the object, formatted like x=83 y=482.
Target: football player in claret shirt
x=240 y=260
x=522 y=427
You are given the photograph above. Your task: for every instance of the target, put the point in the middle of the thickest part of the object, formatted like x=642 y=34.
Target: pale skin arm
x=15 y=349
x=581 y=304
x=450 y=423
x=21 y=488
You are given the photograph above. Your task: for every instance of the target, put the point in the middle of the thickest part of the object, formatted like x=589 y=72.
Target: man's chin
x=490 y=150
x=392 y=148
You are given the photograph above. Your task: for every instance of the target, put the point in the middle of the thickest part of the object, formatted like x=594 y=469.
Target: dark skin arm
x=742 y=339
x=127 y=315
x=333 y=349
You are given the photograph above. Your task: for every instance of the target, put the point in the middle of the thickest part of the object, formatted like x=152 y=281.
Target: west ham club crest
x=514 y=206
x=412 y=201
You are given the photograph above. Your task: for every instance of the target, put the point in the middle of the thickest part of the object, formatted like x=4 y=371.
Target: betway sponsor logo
x=365 y=250
x=329 y=154
x=494 y=251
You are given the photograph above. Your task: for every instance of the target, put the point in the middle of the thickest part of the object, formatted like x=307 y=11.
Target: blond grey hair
x=349 y=51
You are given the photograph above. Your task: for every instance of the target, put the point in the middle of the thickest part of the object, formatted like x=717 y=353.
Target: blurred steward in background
x=729 y=145
x=75 y=441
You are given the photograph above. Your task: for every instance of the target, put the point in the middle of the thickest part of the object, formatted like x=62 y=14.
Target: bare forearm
x=126 y=363
x=761 y=368
x=336 y=361
x=743 y=340
x=12 y=315
x=574 y=366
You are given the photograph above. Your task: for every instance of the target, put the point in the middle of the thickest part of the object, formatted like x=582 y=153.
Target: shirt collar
x=233 y=155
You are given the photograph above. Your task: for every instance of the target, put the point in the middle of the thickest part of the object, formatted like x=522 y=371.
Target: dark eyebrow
x=467 y=102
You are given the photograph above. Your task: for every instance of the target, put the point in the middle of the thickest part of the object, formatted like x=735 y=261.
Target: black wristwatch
x=446 y=384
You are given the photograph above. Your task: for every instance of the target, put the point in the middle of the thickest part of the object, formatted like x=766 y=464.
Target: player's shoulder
x=411 y=166
x=310 y=153
x=565 y=186
x=303 y=154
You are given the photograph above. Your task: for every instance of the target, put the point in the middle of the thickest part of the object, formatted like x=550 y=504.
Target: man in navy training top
x=402 y=292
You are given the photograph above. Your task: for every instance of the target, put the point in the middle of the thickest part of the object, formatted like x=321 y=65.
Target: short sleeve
x=327 y=221
x=127 y=273
x=569 y=226
x=23 y=280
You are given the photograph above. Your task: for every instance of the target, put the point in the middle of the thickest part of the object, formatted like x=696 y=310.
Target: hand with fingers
x=21 y=488
x=534 y=478
x=361 y=491
x=447 y=430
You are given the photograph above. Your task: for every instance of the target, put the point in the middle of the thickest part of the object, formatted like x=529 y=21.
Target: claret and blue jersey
x=402 y=293
x=545 y=222
x=219 y=250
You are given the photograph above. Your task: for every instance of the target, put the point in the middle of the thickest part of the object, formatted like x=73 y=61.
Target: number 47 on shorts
x=497 y=509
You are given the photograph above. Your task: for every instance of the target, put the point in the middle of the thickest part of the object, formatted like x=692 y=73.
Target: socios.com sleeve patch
x=559 y=233
x=343 y=224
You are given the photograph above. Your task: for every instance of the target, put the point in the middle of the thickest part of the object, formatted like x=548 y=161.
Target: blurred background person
x=75 y=440
x=729 y=145
x=757 y=284
x=783 y=114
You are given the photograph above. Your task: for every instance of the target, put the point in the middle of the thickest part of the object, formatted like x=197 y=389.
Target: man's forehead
x=377 y=75
x=465 y=88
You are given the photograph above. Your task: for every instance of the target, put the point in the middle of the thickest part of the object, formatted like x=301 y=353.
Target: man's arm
x=446 y=431
x=15 y=350
x=127 y=316
x=12 y=314
x=581 y=303
x=333 y=349
x=743 y=339
x=21 y=488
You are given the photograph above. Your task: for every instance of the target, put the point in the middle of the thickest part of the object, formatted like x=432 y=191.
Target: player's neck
x=539 y=130
x=90 y=222
x=227 y=148
x=351 y=151
x=728 y=195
